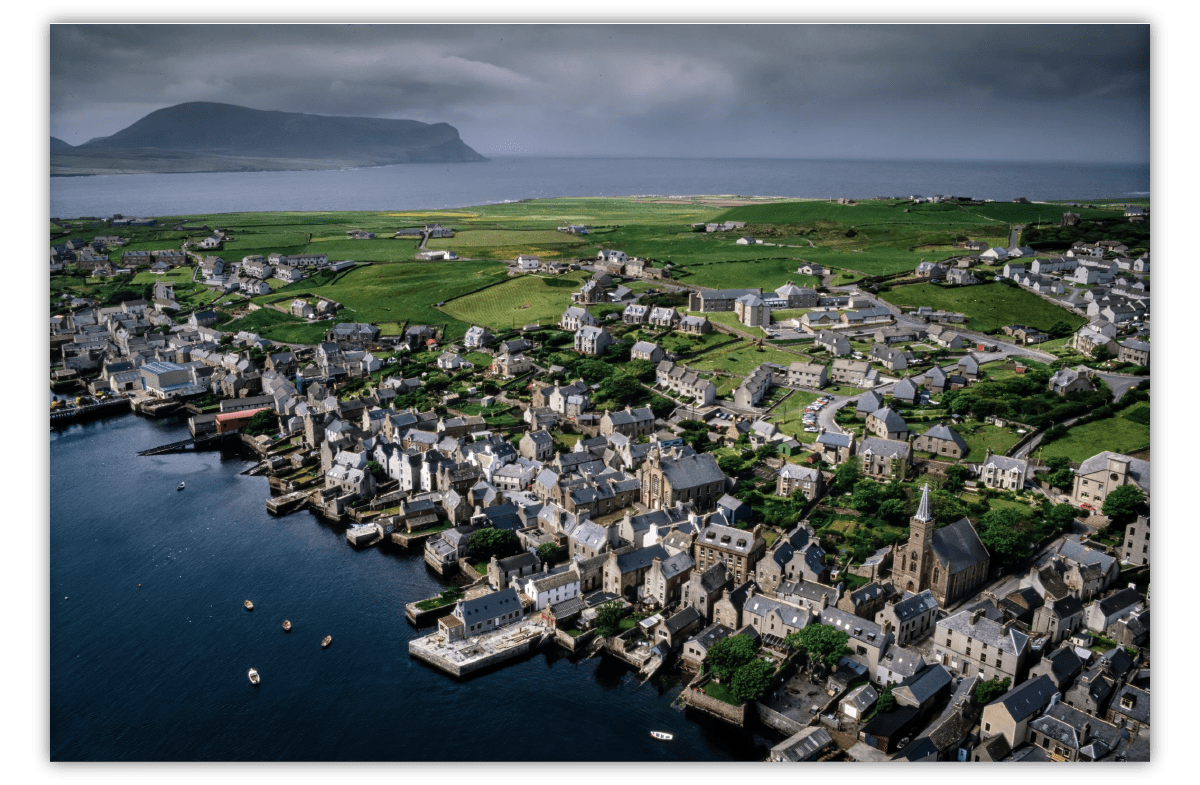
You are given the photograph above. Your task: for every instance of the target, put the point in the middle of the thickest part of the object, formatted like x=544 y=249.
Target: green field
x=1118 y=434
x=740 y=358
x=175 y=275
x=277 y=326
x=522 y=300
x=987 y=306
x=403 y=291
x=505 y=238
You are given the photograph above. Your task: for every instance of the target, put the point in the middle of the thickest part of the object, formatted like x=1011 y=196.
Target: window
x=987 y=726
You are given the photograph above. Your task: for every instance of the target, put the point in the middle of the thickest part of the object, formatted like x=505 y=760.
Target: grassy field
x=409 y=291
x=770 y=274
x=740 y=358
x=521 y=300
x=276 y=326
x=175 y=275
x=1118 y=434
x=987 y=306
x=980 y=436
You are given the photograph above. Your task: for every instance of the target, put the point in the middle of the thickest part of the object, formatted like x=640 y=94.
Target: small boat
x=287 y=626
x=661 y=735
x=249 y=605
x=325 y=643
x=253 y=677
x=180 y=486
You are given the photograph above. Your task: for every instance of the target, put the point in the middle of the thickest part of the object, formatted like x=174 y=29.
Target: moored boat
x=325 y=643
x=249 y=605
x=287 y=626
x=254 y=679
x=180 y=486
x=661 y=735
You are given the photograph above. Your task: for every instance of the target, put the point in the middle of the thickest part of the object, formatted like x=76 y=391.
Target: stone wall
x=717 y=708
x=782 y=723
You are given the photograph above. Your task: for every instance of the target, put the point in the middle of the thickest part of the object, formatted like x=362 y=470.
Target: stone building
x=1136 y=550
x=738 y=549
x=943 y=441
x=1008 y=474
x=793 y=477
x=951 y=560
x=752 y=311
x=629 y=422
x=1099 y=475
x=592 y=341
x=704 y=588
x=884 y=458
x=910 y=617
x=668 y=477
x=968 y=643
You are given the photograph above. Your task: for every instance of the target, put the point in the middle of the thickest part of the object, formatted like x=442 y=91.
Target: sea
x=150 y=644
x=513 y=178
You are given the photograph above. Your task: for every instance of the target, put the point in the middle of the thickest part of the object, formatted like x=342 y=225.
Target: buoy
x=139 y=585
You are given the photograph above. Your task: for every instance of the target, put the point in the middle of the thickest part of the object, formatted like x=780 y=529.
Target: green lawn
x=987 y=306
x=979 y=436
x=740 y=358
x=175 y=275
x=1118 y=434
x=524 y=299
x=721 y=692
x=402 y=291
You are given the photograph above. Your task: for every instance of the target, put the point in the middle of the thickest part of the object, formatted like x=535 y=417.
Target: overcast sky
x=990 y=92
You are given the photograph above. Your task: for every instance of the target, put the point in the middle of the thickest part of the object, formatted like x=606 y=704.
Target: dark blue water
x=159 y=672
x=433 y=186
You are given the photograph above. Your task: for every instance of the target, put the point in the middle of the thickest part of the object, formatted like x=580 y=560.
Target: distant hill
x=203 y=136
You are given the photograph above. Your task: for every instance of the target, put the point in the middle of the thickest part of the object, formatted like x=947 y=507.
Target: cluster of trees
x=1025 y=398
x=263 y=422
x=988 y=691
x=608 y=619
x=1136 y=236
x=820 y=643
x=1102 y=412
x=1009 y=533
x=486 y=543
x=733 y=661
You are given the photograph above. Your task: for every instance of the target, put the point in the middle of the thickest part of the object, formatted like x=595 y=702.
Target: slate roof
x=946 y=433
x=763 y=606
x=891 y=420
x=489 y=606
x=834 y=439
x=1140 y=711
x=677 y=622
x=958 y=546
x=1139 y=470
x=1119 y=600
x=710 y=635
x=641 y=558
x=914 y=606
x=1028 y=698
x=728 y=538
x=988 y=631
x=1064 y=664
x=676 y=564
x=794 y=471
x=1064 y=724
x=690 y=471
x=906 y=389
x=923 y=686
x=869 y=402
x=804 y=744
x=889 y=448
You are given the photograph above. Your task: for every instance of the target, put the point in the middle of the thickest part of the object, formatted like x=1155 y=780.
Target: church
x=951 y=561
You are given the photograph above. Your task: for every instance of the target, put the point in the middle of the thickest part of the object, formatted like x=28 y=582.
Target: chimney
x=887 y=628
x=1085 y=733
x=975 y=616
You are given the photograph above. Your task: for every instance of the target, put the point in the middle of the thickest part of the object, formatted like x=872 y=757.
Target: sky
x=926 y=92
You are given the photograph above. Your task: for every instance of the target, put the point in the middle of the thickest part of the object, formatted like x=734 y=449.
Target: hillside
x=206 y=137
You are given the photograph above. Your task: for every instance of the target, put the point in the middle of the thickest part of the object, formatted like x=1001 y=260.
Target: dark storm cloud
x=962 y=91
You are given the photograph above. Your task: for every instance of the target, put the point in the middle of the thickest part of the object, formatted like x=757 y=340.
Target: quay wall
x=780 y=722
x=457 y=669
x=419 y=618
x=735 y=715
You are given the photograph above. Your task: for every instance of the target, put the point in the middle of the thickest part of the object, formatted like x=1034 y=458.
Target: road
x=1014 y=234
x=1120 y=383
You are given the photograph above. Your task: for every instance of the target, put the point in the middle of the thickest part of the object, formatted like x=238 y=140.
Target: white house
x=546 y=590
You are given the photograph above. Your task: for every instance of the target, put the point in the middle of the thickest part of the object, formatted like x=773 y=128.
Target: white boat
x=180 y=486
x=661 y=735
x=253 y=674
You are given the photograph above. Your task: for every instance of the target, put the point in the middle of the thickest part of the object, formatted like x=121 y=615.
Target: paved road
x=1014 y=234
x=1120 y=383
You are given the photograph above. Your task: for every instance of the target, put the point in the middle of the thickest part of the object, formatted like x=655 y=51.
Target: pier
x=186 y=445
x=99 y=409
x=459 y=658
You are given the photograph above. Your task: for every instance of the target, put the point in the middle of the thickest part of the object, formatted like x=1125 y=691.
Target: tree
x=728 y=654
x=820 y=642
x=1060 y=475
x=643 y=370
x=866 y=497
x=751 y=680
x=956 y=477
x=608 y=619
x=376 y=470
x=893 y=511
x=886 y=701
x=846 y=476
x=486 y=543
x=730 y=464
x=988 y=691
x=262 y=422
x=1060 y=516
x=1123 y=504
x=1003 y=533
x=546 y=552
x=768 y=450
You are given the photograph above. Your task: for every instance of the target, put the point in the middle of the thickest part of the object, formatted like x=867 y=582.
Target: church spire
x=923 y=508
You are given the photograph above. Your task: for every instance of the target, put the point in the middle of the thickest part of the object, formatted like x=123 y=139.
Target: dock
x=100 y=409
x=288 y=503
x=459 y=658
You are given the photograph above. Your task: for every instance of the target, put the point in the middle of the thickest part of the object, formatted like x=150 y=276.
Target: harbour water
x=158 y=672
x=510 y=178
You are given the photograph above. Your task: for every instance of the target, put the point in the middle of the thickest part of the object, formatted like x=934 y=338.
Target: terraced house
x=685 y=382
x=739 y=550
x=813 y=375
